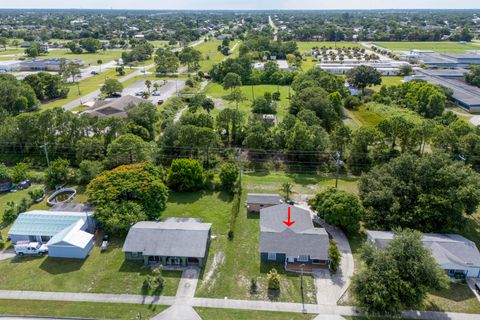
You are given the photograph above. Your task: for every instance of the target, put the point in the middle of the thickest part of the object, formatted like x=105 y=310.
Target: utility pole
x=44 y=147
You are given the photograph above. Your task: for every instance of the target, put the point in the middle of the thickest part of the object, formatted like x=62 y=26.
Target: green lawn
x=86 y=86
x=106 y=272
x=458 y=298
x=216 y=91
x=233 y=314
x=15 y=197
x=388 y=81
x=211 y=55
x=79 y=309
x=443 y=46
x=302 y=183
x=365 y=117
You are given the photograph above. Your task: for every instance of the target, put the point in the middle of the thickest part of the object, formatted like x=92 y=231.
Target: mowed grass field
x=232 y=314
x=89 y=310
x=216 y=91
x=87 y=58
x=210 y=54
x=440 y=46
x=100 y=272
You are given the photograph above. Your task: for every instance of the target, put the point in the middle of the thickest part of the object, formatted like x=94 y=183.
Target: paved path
x=471 y=285
x=219 y=303
x=330 y=288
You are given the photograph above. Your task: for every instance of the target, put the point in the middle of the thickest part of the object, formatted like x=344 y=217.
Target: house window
x=134 y=254
x=272 y=256
x=303 y=258
x=45 y=239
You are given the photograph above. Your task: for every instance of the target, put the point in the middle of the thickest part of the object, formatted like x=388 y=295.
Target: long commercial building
x=385 y=68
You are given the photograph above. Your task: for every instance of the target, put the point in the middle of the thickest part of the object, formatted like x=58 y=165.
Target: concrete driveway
x=330 y=288
x=7 y=254
x=188 y=283
x=471 y=285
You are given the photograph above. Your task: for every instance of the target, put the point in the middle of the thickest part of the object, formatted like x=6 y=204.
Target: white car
x=31 y=249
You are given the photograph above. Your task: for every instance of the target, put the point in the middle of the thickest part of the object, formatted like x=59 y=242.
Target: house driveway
x=471 y=285
x=7 y=254
x=330 y=288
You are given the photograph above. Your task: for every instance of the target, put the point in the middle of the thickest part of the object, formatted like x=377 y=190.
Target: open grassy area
x=16 y=197
x=440 y=46
x=388 y=81
x=79 y=309
x=86 y=86
x=211 y=55
x=458 y=298
x=216 y=91
x=229 y=314
x=106 y=272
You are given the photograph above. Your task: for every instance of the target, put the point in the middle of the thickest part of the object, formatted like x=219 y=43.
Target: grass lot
x=388 y=81
x=216 y=91
x=211 y=55
x=365 y=117
x=15 y=197
x=308 y=45
x=229 y=314
x=458 y=298
x=106 y=272
x=79 y=309
x=86 y=86
x=443 y=46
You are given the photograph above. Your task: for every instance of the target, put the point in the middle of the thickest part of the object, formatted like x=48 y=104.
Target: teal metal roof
x=45 y=223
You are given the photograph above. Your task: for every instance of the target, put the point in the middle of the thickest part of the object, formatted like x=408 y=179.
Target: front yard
x=232 y=314
x=106 y=272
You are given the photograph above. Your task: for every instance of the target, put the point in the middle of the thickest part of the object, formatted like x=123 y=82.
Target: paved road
x=274 y=27
x=92 y=95
x=219 y=303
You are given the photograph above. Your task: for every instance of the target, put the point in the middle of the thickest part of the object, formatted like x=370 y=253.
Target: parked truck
x=31 y=249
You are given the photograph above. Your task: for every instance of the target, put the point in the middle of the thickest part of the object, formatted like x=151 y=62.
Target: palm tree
x=148 y=84
x=287 y=189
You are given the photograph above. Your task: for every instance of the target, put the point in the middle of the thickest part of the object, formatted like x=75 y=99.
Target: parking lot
x=167 y=88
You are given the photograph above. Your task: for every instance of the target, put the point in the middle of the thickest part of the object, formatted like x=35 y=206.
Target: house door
x=157 y=259
x=290 y=259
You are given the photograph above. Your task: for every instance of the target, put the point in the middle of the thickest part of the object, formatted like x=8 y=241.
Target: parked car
x=31 y=249
x=139 y=93
x=24 y=184
x=160 y=102
x=115 y=95
x=94 y=72
x=290 y=202
x=156 y=94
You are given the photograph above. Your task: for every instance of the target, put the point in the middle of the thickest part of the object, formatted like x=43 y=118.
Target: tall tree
x=364 y=76
x=166 y=61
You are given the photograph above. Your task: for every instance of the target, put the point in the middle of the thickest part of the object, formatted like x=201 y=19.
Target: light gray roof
x=178 y=237
x=263 y=198
x=302 y=238
x=115 y=107
x=445 y=248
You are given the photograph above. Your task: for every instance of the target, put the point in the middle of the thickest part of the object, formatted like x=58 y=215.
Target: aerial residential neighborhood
x=272 y=160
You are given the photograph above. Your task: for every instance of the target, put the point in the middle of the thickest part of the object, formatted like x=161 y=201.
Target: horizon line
x=236 y=9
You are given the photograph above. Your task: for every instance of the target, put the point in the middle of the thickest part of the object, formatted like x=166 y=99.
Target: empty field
x=444 y=46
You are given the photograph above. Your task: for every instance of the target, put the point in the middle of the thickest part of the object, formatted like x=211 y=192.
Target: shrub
x=88 y=170
x=276 y=96
x=273 y=280
x=186 y=175
x=351 y=102
x=228 y=176
x=59 y=173
x=335 y=257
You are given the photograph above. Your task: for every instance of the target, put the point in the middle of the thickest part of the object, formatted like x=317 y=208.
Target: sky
x=241 y=4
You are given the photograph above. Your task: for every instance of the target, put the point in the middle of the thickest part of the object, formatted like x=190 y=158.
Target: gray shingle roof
x=445 y=248
x=263 y=198
x=302 y=238
x=179 y=237
x=116 y=107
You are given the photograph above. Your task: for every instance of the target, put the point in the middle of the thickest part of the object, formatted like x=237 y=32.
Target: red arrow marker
x=289 y=223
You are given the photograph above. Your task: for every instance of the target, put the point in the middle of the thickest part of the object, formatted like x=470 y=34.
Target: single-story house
x=114 y=107
x=53 y=64
x=64 y=232
x=258 y=201
x=173 y=242
x=9 y=66
x=299 y=243
x=454 y=253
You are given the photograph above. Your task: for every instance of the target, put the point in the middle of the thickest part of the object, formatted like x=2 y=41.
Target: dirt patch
x=218 y=259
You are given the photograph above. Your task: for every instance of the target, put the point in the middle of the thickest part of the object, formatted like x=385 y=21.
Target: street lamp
x=301 y=288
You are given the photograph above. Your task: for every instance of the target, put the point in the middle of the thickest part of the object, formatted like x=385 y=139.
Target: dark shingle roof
x=302 y=238
x=179 y=237
x=115 y=107
x=263 y=198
